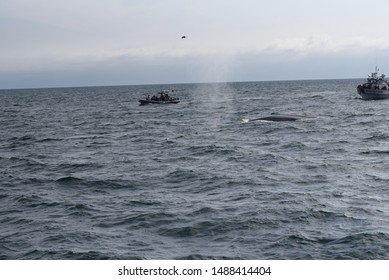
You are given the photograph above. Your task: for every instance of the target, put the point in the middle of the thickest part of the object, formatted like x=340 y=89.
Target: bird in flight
x=183 y=37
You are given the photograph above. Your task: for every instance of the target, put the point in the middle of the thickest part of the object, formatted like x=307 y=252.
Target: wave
x=23 y=138
x=375 y=152
x=377 y=137
x=69 y=180
x=48 y=139
x=22 y=161
x=362 y=238
x=207 y=150
x=35 y=201
x=75 y=182
x=365 y=246
x=77 y=167
x=80 y=210
x=207 y=257
x=359 y=246
x=183 y=175
x=39 y=254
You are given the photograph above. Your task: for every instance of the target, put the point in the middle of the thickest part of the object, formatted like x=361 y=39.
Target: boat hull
x=373 y=94
x=145 y=102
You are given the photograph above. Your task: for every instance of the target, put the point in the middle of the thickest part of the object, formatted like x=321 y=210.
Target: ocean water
x=87 y=173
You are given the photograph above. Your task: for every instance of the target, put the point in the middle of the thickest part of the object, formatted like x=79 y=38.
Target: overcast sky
x=49 y=43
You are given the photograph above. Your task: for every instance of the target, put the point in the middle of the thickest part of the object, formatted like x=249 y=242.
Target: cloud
x=226 y=40
x=327 y=44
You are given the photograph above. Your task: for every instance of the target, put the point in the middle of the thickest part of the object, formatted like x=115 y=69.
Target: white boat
x=376 y=87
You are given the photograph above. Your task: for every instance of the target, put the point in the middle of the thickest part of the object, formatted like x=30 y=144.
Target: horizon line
x=176 y=83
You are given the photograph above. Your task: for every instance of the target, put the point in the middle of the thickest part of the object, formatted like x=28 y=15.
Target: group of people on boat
x=163 y=96
x=371 y=86
x=376 y=87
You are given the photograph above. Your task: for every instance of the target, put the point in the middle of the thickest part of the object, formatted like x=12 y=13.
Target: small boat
x=145 y=101
x=163 y=98
x=375 y=88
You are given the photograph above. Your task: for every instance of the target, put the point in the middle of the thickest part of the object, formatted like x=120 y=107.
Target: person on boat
x=164 y=96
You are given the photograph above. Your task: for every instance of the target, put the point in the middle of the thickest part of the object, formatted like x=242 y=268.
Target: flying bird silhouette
x=183 y=37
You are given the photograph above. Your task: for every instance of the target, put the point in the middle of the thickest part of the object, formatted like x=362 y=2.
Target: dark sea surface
x=87 y=173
